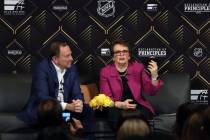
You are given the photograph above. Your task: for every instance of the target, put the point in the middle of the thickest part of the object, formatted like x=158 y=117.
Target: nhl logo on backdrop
x=106 y=8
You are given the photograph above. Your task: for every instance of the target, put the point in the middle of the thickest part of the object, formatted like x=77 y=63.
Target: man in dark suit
x=56 y=77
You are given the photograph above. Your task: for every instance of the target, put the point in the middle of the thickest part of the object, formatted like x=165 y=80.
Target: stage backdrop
x=175 y=32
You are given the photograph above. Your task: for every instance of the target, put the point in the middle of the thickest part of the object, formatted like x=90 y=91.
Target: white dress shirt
x=60 y=74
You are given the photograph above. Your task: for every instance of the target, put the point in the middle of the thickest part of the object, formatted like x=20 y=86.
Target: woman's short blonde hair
x=131 y=127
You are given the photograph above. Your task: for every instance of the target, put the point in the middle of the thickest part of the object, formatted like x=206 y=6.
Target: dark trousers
x=87 y=118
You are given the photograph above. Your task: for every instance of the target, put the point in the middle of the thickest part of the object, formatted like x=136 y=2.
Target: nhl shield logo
x=106 y=8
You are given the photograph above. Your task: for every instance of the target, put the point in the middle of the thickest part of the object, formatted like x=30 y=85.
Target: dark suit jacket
x=45 y=85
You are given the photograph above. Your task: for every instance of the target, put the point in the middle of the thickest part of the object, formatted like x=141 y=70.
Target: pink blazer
x=138 y=80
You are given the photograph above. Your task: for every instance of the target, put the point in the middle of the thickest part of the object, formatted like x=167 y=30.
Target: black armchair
x=173 y=93
x=14 y=93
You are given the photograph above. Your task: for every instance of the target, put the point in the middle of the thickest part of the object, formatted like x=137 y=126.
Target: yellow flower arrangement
x=100 y=101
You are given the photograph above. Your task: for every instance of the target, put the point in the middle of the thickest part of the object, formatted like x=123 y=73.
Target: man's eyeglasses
x=123 y=52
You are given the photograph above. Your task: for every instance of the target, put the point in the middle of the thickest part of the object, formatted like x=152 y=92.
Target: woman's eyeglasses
x=123 y=52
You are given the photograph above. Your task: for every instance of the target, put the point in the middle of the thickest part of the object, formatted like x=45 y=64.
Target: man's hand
x=75 y=106
x=153 y=68
x=125 y=105
x=78 y=105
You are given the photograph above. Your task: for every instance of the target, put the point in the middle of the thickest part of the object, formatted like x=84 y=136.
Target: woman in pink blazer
x=124 y=81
